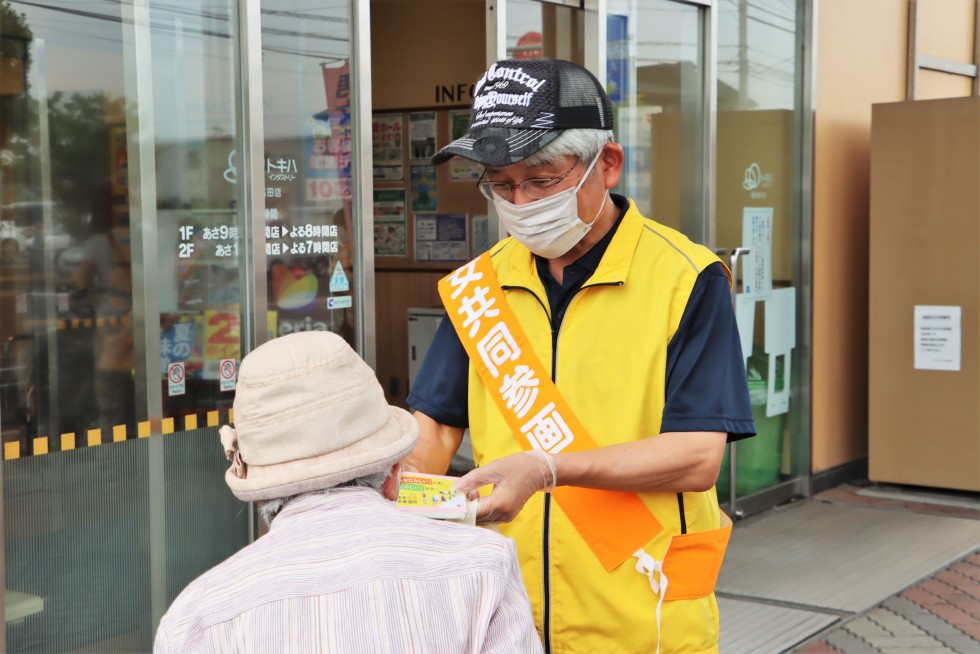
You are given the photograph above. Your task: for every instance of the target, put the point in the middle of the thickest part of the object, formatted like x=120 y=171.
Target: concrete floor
x=855 y=570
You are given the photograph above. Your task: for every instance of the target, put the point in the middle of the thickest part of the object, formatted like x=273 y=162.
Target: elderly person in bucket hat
x=341 y=569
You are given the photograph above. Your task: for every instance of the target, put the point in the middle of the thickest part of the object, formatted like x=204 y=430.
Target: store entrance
x=711 y=145
x=426 y=56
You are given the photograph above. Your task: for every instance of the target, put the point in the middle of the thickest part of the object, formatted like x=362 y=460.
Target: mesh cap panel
x=520 y=106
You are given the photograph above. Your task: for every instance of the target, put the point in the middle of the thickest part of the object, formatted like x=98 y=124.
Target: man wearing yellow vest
x=594 y=356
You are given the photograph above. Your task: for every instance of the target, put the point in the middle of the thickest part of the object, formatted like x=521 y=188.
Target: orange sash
x=613 y=523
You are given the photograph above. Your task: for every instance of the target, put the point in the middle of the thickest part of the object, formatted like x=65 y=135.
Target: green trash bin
x=758 y=459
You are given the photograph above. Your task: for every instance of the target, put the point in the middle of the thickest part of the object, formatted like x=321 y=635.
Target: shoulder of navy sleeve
x=706 y=385
x=713 y=270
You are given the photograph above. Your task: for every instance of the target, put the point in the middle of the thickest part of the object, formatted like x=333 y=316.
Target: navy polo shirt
x=706 y=387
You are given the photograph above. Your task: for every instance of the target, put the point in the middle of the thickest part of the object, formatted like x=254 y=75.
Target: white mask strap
x=588 y=170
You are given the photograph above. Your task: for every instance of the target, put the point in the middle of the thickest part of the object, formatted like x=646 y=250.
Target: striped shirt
x=348 y=572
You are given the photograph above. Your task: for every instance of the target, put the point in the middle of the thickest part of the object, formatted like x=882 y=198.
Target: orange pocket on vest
x=694 y=560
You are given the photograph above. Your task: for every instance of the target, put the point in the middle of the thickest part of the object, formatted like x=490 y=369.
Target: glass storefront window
x=197 y=192
x=758 y=206
x=654 y=77
x=543 y=29
x=56 y=136
x=66 y=202
x=309 y=213
x=117 y=306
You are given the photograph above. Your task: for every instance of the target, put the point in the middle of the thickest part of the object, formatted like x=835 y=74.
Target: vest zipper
x=546 y=530
x=680 y=509
x=546 y=527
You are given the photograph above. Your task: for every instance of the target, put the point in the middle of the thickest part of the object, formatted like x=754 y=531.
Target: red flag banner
x=336 y=81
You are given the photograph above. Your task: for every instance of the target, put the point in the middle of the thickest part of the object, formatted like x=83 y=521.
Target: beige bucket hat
x=309 y=415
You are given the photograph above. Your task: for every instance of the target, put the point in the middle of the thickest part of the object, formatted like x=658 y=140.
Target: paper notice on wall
x=460 y=169
x=757 y=266
x=387 y=149
x=424 y=196
x=480 y=242
x=441 y=237
x=390 y=230
x=938 y=337
x=422 y=134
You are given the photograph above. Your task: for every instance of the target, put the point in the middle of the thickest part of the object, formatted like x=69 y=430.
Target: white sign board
x=938 y=337
x=339 y=302
x=757 y=236
x=176 y=379
x=228 y=373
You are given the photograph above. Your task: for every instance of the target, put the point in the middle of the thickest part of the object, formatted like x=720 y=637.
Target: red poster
x=336 y=81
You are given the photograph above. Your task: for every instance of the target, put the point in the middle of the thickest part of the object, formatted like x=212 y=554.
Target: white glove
x=515 y=479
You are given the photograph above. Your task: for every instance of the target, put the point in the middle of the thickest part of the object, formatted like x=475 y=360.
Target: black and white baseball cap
x=519 y=106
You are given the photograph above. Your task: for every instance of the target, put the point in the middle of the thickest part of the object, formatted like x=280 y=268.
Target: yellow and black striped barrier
x=93 y=437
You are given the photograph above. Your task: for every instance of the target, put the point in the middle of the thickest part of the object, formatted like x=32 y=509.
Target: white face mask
x=549 y=227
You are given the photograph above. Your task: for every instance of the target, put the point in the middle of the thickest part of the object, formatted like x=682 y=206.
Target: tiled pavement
x=938 y=615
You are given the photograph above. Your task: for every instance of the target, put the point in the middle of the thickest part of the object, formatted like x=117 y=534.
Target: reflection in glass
x=540 y=29
x=757 y=54
x=654 y=74
x=64 y=325
x=654 y=77
x=197 y=189
x=103 y=288
x=102 y=527
x=758 y=207
x=308 y=163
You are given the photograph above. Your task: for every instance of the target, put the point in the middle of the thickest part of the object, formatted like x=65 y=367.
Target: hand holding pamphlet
x=433 y=496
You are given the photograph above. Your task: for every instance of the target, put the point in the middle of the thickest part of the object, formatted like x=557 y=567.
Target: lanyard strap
x=613 y=523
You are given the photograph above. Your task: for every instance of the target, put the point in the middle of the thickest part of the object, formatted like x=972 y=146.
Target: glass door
x=708 y=109
x=311 y=218
x=543 y=29
x=759 y=208
x=121 y=307
x=159 y=216
x=655 y=77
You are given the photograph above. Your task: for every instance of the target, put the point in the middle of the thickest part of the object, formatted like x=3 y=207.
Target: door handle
x=736 y=254
x=736 y=513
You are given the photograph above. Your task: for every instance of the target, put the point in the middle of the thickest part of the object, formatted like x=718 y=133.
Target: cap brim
x=376 y=453
x=497 y=147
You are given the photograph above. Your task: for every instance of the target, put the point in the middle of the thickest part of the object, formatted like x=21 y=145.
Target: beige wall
x=861 y=59
x=946 y=29
x=419 y=46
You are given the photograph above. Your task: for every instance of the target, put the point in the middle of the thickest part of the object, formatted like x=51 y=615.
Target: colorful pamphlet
x=433 y=496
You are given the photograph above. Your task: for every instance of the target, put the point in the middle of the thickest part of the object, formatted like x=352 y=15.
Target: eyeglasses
x=537 y=188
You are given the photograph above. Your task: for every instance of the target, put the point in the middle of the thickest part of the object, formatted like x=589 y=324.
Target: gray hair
x=269 y=509
x=582 y=143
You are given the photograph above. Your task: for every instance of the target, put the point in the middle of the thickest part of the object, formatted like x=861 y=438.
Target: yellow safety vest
x=610 y=367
